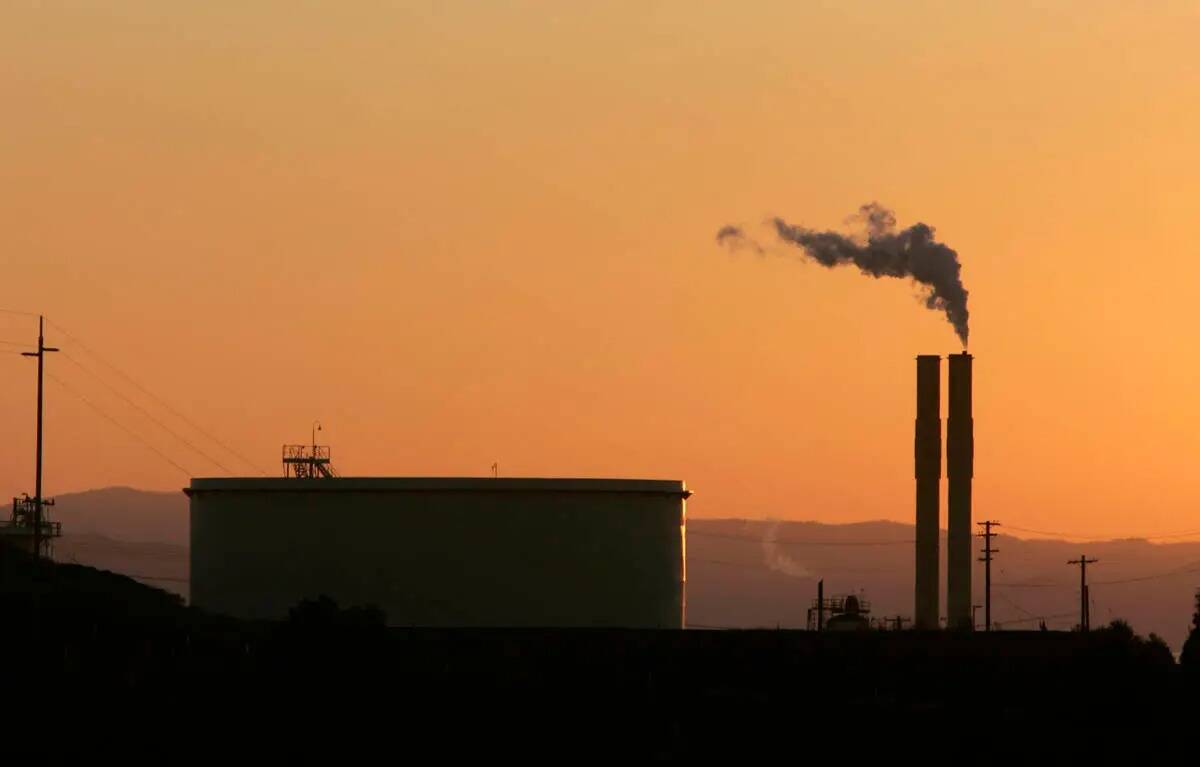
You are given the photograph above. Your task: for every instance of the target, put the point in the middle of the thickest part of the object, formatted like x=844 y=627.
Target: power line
x=798 y=542
x=741 y=565
x=1033 y=618
x=1033 y=585
x=155 y=397
x=1157 y=576
x=156 y=578
x=1030 y=617
x=1190 y=569
x=118 y=424
x=1184 y=534
x=144 y=412
x=1014 y=604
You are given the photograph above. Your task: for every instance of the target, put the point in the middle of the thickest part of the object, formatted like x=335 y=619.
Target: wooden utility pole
x=37 y=486
x=986 y=559
x=1084 y=616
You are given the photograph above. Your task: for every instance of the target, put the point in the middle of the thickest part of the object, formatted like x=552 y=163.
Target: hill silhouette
x=125 y=514
x=80 y=632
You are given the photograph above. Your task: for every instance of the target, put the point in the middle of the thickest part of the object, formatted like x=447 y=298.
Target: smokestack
x=960 y=468
x=929 y=476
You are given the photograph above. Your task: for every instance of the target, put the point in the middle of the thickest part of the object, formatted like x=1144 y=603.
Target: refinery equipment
x=442 y=551
x=29 y=528
x=960 y=461
x=929 y=475
x=960 y=464
x=846 y=613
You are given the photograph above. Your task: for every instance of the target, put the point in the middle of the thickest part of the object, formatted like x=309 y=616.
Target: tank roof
x=436 y=484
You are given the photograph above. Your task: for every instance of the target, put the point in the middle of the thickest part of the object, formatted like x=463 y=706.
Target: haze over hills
x=752 y=573
x=125 y=514
x=758 y=573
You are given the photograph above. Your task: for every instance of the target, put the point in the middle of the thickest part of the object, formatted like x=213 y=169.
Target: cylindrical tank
x=444 y=551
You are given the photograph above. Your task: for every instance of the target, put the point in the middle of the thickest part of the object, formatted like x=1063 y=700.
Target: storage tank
x=444 y=551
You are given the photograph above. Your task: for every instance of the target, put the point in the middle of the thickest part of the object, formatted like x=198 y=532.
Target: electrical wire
x=144 y=412
x=1032 y=585
x=1014 y=604
x=1192 y=568
x=156 y=578
x=798 y=542
x=741 y=565
x=1185 y=534
x=117 y=423
x=99 y=358
x=1033 y=618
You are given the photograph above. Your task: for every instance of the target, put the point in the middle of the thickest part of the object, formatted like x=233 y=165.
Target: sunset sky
x=461 y=233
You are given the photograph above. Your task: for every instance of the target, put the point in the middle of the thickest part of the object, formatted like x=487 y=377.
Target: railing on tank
x=307 y=462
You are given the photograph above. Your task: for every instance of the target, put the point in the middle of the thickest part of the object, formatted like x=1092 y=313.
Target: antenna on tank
x=495 y=471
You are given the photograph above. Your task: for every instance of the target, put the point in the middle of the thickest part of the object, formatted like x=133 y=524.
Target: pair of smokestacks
x=960 y=462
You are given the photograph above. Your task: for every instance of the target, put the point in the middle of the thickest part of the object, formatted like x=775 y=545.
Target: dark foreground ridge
x=91 y=635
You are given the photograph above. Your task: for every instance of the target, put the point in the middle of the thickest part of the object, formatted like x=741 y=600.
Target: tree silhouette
x=1190 y=657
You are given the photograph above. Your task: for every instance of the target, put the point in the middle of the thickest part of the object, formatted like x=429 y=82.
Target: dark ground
x=79 y=639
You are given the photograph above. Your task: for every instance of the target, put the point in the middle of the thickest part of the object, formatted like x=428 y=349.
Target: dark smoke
x=911 y=252
x=735 y=238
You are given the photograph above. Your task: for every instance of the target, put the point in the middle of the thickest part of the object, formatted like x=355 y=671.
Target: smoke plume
x=778 y=561
x=884 y=252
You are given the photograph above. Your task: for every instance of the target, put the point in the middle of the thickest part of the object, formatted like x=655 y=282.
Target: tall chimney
x=960 y=468
x=929 y=476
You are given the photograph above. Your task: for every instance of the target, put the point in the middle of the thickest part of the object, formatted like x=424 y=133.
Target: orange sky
x=467 y=232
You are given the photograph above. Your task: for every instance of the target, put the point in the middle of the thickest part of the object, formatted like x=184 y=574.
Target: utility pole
x=821 y=605
x=1084 y=617
x=986 y=559
x=37 y=483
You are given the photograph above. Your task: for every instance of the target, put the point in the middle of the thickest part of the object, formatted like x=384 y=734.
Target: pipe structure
x=960 y=468
x=928 y=455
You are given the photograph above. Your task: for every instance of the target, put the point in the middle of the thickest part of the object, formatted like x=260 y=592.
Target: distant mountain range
x=752 y=573
x=125 y=514
x=756 y=573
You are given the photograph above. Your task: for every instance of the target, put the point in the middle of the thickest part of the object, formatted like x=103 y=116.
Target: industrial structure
x=443 y=551
x=29 y=527
x=928 y=455
x=960 y=464
x=849 y=612
x=960 y=469
x=307 y=462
